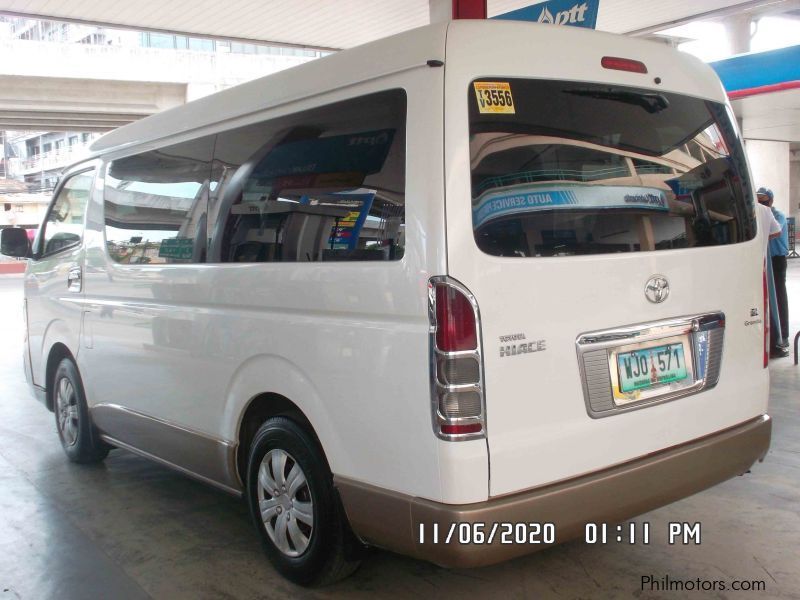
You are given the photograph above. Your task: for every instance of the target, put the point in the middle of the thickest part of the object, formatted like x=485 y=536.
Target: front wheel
x=295 y=508
x=73 y=422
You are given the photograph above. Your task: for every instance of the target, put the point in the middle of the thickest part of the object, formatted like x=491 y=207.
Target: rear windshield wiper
x=652 y=102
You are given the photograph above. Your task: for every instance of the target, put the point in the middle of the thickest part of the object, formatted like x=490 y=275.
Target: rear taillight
x=457 y=398
x=455 y=320
x=766 y=317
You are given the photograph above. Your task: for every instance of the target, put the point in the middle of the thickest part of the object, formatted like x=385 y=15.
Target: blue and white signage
x=526 y=199
x=575 y=13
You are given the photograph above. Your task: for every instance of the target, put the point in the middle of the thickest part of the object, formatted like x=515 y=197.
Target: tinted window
x=155 y=205
x=324 y=185
x=581 y=168
x=64 y=225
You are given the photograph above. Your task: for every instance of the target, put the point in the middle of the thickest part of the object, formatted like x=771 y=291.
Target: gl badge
x=657 y=289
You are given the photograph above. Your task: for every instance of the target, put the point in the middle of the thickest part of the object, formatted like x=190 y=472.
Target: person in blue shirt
x=778 y=249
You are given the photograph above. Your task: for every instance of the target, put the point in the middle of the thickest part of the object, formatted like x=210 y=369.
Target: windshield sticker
x=494 y=97
x=535 y=198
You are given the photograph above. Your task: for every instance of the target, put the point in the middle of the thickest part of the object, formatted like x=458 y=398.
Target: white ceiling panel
x=327 y=23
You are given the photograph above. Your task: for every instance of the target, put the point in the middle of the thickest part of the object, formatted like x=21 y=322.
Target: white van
x=477 y=278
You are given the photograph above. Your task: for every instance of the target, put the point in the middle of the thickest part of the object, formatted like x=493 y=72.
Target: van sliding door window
x=156 y=202
x=327 y=184
x=563 y=168
x=64 y=225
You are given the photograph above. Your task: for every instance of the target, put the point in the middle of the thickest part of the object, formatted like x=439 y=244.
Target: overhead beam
x=62 y=124
x=67 y=104
x=206 y=35
x=81 y=116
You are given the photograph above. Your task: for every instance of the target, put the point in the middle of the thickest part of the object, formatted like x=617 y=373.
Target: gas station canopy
x=341 y=23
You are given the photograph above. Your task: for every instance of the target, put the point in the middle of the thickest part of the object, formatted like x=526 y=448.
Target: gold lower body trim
x=391 y=520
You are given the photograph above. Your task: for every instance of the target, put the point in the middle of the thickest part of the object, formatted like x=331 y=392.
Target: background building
x=32 y=161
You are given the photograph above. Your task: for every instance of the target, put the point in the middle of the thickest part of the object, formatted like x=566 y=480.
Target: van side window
x=327 y=184
x=64 y=225
x=155 y=204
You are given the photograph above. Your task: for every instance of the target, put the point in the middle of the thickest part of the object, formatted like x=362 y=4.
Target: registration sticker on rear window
x=494 y=97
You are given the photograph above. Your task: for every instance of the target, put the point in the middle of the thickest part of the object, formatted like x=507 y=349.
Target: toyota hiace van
x=456 y=293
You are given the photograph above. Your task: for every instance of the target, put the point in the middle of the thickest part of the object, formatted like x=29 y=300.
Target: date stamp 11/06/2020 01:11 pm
x=477 y=533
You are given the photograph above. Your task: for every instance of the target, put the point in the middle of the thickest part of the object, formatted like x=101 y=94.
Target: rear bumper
x=391 y=520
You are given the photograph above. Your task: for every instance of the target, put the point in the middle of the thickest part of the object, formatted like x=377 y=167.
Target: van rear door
x=606 y=231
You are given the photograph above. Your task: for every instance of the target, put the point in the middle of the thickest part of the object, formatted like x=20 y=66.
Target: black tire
x=73 y=423
x=332 y=551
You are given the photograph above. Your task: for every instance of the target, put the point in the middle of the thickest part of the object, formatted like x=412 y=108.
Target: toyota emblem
x=656 y=289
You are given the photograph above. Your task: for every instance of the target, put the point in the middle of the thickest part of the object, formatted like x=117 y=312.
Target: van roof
x=407 y=50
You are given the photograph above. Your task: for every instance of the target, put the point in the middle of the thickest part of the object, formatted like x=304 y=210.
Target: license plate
x=650 y=367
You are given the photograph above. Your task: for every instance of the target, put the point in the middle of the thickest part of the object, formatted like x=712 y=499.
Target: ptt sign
x=576 y=13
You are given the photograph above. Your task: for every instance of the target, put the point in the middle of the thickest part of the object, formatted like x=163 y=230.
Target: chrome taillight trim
x=457 y=354
x=437 y=419
x=592 y=345
x=465 y=387
x=440 y=356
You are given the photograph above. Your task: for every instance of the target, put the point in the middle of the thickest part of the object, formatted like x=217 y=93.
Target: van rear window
x=567 y=168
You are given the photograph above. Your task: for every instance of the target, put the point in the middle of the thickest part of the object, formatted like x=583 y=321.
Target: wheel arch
x=56 y=354
x=58 y=336
x=261 y=408
x=266 y=386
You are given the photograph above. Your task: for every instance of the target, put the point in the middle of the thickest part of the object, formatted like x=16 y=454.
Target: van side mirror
x=14 y=242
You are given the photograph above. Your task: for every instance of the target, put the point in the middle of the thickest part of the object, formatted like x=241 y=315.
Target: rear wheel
x=295 y=508
x=73 y=422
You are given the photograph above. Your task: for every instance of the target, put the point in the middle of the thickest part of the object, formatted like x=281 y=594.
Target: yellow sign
x=494 y=97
